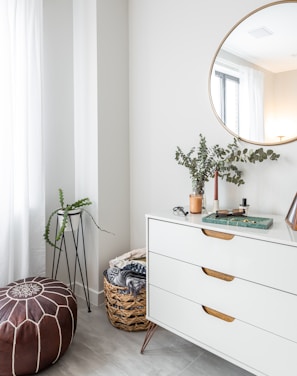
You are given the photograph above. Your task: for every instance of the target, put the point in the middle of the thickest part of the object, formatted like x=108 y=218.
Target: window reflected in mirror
x=253 y=80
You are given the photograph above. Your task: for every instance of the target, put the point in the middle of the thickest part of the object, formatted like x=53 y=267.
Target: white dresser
x=228 y=289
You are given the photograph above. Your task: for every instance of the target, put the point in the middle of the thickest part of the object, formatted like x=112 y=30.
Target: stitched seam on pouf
x=20 y=314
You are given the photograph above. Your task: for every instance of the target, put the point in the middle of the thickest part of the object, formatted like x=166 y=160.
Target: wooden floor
x=100 y=349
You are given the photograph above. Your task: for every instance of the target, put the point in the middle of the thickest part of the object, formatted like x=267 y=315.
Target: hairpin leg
x=150 y=331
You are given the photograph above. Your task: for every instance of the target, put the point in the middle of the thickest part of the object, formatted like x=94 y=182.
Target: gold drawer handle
x=218 y=314
x=219 y=275
x=217 y=234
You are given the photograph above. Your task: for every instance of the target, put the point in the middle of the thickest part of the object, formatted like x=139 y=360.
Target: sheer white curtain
x=251 y=104
x=22 y=249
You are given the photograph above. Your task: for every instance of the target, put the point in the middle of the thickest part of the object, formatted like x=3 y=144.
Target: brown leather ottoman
x=38 y=318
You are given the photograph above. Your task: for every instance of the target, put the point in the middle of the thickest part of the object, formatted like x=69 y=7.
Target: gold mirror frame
x=281 y=140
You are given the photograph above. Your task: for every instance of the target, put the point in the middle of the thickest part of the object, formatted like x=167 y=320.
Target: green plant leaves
x=79 y=204
x=61 y=198
x=202 y=161
x=66 y=208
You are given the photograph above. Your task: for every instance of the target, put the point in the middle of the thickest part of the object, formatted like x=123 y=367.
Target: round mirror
x=253 y=77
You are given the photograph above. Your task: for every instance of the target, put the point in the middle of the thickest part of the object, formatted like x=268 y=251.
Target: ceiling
x=268 y=38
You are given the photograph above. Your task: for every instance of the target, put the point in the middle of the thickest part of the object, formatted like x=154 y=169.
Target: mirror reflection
x=253 y=80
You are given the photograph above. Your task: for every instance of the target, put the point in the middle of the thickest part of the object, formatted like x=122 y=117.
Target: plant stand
x=80 y=261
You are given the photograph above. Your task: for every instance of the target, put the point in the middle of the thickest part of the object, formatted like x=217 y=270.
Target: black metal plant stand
x=80 y=264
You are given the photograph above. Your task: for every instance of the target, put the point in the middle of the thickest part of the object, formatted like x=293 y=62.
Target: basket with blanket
x=125 y=293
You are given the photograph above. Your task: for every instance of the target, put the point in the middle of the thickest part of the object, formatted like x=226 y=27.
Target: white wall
x=286 y=94
x=113 y=130
x=86 y=121
x=85 y=74
x=58 y=104
x=172 y=44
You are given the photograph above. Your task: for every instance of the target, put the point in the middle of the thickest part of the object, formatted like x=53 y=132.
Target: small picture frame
x=291 y=217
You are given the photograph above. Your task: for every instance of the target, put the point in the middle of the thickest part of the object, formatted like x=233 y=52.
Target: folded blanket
x=126 y=278
x=136 y=267
x=135 y=254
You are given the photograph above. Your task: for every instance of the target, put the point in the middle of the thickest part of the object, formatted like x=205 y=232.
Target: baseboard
x=96 y=297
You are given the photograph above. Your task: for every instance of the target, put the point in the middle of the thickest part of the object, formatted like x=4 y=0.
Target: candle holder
x=216 y=204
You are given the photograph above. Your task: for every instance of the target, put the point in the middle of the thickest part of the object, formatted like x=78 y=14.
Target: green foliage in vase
x=199 y=162
x=203 y=161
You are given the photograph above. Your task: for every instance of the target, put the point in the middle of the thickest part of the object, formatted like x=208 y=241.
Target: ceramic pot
x=73 y=218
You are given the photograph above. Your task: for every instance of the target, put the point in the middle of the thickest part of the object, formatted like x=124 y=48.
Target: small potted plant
x=205 y=162
x=199 y=162
x=64 y=211
x=200 y=165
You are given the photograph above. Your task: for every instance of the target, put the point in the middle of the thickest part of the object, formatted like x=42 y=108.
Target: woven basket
x=125 y=311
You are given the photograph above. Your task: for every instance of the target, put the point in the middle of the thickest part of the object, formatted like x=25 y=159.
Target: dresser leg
x=149 y=333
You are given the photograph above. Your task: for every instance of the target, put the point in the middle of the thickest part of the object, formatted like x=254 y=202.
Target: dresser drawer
x=268 y=263
x=261 y=306
x=236 y=340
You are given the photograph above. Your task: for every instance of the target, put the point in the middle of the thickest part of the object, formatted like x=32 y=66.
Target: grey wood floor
x=99 y=349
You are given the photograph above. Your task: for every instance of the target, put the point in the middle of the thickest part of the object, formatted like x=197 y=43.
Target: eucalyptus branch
x=203 y=161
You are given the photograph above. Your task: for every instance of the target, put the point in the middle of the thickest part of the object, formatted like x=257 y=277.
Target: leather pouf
x=38 y=318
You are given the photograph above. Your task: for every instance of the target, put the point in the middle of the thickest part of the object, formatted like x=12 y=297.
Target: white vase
x=73 y=218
